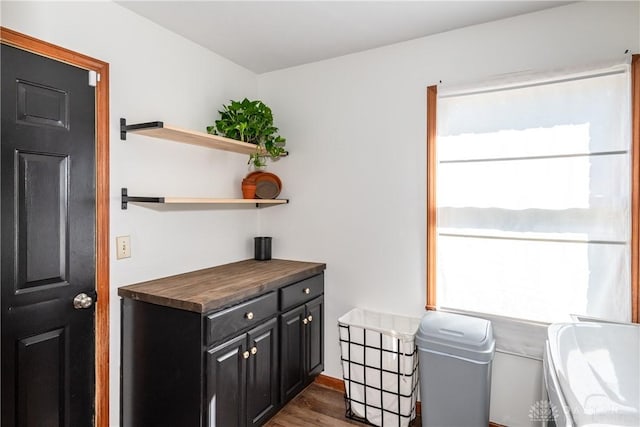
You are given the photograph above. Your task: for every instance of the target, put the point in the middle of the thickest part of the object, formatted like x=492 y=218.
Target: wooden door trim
x=432 y=105
x=42 y=48
x=635 y=188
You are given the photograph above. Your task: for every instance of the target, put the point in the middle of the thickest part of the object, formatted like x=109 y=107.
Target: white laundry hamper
x=379 y=367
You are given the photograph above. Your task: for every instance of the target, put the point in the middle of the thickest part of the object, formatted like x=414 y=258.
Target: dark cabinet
x=226 y=383
x=302 y=346
x=184 y=365
x=161 y=366
x=314 y=341
x=292 y=333
x=242 y=384
x=262 y=373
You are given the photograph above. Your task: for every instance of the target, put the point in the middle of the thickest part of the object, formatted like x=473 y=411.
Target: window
x=530 y=202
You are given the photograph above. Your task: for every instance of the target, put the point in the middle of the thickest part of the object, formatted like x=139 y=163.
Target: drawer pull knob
x=310 y=318
x=254 y=350
x=306 y=291
x=305 y=321
x=249 y=315
x=245 y=354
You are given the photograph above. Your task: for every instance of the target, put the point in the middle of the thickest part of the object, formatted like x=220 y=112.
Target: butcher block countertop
x=211 y=288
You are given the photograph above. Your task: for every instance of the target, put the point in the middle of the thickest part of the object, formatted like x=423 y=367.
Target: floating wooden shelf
x=126 y=199
x=172 y=133
x=201 y=139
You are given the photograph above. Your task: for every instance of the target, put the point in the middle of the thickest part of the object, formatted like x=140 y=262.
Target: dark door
x=262 y=372
x=292 y=352
x=226 y=381
x=47 y=177
x=315 y=337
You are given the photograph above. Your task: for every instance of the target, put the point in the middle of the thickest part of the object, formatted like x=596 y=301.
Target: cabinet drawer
x=301 y=292
x=227 y=322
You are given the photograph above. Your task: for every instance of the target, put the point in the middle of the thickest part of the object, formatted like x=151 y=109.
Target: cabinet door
x=262 y=372
x=292 y=352
x=226 y=379
x=315 y=337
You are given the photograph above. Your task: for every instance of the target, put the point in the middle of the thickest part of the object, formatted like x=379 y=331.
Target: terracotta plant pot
x=261 y=185
x=248 y=189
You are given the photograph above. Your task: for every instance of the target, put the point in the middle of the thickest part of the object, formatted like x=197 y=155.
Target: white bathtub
x=592 y=374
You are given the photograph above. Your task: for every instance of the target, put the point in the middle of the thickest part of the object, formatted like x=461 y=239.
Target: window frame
x=431 y=208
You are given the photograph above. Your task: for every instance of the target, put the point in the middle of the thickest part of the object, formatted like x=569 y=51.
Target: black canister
x=262 y=248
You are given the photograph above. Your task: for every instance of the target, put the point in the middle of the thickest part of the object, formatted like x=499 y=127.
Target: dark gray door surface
x=47 y=177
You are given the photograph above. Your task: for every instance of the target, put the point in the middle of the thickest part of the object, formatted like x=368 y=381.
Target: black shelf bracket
x=266 y=205
x=126 y=199
x=124 y=127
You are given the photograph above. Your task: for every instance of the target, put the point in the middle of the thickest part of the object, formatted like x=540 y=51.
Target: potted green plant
x=252 y=122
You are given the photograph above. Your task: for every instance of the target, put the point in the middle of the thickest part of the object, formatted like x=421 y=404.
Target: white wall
x=356 y=176
x=155 y=75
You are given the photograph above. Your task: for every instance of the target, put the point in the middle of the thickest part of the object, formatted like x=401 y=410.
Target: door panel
x=42 y=239
x=41 y=105
x=292 y=352
x=41 y=369
x=226 y=379
x=262 y=372
x=48 y=243
x=315 y=337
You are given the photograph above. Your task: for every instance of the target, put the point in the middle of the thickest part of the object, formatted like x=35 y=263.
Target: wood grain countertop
x=211 y=288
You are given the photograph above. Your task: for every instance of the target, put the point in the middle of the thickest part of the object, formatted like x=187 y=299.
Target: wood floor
x=317 y=406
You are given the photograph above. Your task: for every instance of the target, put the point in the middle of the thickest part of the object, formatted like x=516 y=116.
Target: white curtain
x=533 y=196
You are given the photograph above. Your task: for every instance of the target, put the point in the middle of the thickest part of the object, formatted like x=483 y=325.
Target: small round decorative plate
x=268 y=186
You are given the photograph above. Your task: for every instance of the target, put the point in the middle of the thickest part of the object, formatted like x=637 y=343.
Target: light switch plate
x=123 y=247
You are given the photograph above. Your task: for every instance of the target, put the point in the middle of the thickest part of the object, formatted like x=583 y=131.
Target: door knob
x=254 y=350
x=82 y=301
x=245 y=355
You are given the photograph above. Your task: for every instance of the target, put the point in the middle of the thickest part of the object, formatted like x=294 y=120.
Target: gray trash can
x=455 y=354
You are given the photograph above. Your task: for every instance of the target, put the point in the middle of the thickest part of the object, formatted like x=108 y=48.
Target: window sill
x=518 y=337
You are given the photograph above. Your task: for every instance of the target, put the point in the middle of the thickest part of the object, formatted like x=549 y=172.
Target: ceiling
x=263 y=36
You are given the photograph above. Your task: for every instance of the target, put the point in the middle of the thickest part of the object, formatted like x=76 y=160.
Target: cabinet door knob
x=306 y=291
x=245 y=354
x=249 y=315
x=310 y=318
x=254 y=350
x=305 y=321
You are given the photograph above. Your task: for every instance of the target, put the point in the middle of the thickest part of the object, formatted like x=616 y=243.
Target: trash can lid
x=460 y=336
